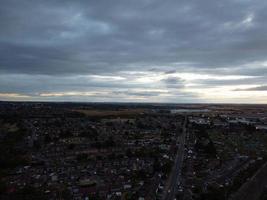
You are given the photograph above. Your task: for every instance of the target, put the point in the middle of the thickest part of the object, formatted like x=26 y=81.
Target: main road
x=175 y=176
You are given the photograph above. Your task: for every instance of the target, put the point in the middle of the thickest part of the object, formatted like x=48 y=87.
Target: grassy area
x=8 y=127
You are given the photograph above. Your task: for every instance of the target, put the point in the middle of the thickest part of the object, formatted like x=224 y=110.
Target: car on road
x=180 y=188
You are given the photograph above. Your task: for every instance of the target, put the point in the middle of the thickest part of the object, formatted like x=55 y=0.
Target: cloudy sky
x=179 y=51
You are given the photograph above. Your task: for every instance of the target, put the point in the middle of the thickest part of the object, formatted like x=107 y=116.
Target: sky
x=173 y=51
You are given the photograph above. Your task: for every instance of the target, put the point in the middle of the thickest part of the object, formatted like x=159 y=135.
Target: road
x=172 y=187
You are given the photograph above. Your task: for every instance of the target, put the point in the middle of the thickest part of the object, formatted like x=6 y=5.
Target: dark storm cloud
x=57 y=37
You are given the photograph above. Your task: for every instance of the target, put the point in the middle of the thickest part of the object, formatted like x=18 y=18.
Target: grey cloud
x=260 y=88
x=173 y=82
x=140 y=94
x=211 y=82
x=30 y=84
x=170 y=72
x=64 y=38
x=93 y=37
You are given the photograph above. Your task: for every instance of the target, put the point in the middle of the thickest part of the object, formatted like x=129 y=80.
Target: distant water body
x=189 y=110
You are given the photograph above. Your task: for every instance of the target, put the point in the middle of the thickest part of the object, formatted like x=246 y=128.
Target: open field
x=106 y=113
x=8 y=127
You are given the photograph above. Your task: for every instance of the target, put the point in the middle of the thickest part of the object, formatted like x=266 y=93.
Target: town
x=132 y=151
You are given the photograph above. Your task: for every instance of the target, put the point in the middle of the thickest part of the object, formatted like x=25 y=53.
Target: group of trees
x=203 y=141
x=107 y=143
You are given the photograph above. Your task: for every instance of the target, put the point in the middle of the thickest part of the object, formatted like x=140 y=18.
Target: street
x=172 y=188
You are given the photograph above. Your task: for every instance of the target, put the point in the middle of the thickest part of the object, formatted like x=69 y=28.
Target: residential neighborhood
x=59 y=151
